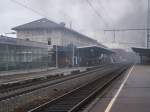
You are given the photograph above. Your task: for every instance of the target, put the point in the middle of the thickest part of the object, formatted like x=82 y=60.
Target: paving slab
x=134 y=96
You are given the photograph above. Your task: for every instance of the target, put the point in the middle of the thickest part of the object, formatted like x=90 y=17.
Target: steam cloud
x=117 y=13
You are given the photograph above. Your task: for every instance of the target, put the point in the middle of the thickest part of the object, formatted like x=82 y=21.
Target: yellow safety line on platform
x=118 y=92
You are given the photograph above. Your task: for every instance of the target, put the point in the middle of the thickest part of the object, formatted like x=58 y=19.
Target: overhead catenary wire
x=128 y=29
x=123 y=43
x=45 y=16
x=29 y=8
x=124 y=30
x=90 y=4
x=40 y=13
x=103 y=8
x=96 y=12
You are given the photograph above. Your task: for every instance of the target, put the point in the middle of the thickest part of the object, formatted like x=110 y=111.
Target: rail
x=75 y=99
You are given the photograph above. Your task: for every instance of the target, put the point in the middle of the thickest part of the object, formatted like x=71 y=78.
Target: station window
x=49 y=41
x=27 y=39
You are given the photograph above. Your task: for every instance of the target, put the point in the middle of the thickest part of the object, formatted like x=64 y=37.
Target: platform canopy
x=101 y=49
x=142 y=51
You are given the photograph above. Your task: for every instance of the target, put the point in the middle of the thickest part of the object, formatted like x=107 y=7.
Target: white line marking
x=118 y=92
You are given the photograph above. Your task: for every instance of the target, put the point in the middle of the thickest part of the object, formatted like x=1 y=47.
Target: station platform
x=131 y=93
x=16 y=76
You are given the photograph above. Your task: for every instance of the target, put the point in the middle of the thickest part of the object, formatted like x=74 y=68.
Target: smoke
x=117 y=13
x=78 y=13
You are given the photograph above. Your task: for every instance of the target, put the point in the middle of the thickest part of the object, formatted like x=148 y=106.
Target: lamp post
x=56 y=56
x=73 y=56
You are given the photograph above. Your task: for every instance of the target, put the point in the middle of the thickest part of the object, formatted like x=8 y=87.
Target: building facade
x=18 y=54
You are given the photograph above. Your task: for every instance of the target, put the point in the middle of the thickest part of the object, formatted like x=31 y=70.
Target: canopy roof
x=142 y=51
x=102 y=49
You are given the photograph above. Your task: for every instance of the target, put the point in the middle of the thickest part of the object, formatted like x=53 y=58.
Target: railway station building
x=63 y=43
x=43 y=43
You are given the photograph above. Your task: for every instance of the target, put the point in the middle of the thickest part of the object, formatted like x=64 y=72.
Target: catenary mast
x=148 y=25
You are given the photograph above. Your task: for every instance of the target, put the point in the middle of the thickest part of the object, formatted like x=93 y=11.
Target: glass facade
x=14 y=57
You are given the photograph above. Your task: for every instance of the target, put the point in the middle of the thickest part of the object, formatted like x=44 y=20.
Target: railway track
x=11 y=87
x=77 y=98
x=8 y=91
x=7 y=87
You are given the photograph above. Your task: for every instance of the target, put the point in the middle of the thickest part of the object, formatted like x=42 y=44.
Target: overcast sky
x=113 y=14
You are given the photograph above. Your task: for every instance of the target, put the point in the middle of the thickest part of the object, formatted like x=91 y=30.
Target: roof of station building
x=99 y=47
x=142 y=51
x=38 y=24
x=20 y=42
